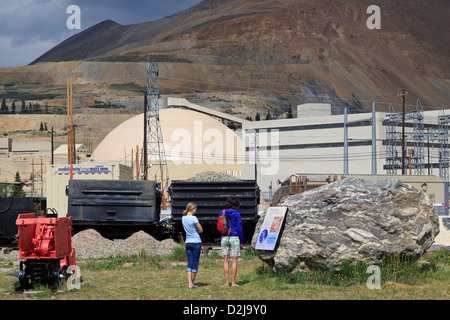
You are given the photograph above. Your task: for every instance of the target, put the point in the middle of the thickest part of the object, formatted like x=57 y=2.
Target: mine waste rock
x=352 y=220
x=213 y=176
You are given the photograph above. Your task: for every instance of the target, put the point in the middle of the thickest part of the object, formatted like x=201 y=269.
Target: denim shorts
x=231 y=246
x=193 y=251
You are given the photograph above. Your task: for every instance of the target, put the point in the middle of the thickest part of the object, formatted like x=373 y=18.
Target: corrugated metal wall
x=58 y=178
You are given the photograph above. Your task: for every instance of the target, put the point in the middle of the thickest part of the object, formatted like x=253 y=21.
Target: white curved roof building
x=190 y=138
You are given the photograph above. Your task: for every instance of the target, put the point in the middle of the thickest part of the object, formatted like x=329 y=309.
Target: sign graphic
x=270 y=229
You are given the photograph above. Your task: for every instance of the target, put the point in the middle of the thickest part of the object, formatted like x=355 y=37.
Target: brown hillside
x=281 y=51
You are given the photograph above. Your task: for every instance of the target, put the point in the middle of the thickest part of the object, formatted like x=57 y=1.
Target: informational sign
x=94 y=169
x=270 y=229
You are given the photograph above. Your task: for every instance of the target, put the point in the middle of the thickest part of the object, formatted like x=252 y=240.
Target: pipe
x=345 y=142
x=374 y=140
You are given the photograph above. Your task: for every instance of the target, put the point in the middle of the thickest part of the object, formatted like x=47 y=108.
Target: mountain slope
x=286 y=50
x=81 y=46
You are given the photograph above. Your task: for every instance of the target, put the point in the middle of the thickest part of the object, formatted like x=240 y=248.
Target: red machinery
x=46 y=246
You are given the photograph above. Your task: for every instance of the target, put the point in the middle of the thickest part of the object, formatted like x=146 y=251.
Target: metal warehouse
x=343 y=144
x=58 y=178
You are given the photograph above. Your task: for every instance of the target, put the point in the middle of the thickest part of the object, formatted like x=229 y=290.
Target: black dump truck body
x=10 y=207
x=210 y=198
x=115 y=208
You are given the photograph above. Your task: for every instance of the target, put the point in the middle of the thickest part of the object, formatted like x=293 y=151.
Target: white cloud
x=29 y=28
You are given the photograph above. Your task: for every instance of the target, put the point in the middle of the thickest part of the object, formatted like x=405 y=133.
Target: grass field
x=149 y=277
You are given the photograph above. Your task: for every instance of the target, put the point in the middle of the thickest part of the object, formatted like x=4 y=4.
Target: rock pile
x=212 y=176
x=90 y=244
x=352 y=220
x=12 y=255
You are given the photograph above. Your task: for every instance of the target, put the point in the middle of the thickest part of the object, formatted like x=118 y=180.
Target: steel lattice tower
x=418 y=137
x=154 y=166
x=393 y=138
x=444 y=158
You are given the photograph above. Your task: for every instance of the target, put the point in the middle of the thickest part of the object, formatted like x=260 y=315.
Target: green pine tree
x=17 y=190
x=4 y=108
x=23 y=108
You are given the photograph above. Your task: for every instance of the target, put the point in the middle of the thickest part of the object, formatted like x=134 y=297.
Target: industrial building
x=58 y=178
x=319 y=142
x=5 y=146
x=194 y=142
x=26 y=149
x=31 y=149
x=82 y=152
x=314 y=142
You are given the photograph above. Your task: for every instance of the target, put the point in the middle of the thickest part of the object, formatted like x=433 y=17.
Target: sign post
x=270 y=228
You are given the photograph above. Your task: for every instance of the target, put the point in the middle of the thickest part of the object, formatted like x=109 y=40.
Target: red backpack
x=222 y=224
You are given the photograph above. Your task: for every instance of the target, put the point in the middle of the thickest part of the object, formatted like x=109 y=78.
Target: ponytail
x=189 y=207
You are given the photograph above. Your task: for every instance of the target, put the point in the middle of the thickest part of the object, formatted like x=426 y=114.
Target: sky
x=29 y=28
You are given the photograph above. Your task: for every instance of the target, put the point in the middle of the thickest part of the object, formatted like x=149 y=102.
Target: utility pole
x=145 y=151
x=69 y=133
x=52 y=148
x=32 y=177
x=345 y=140
x=429 y=163
x=374 y=139
x=410 y=168
x=42 y=182
x=403 y=97
x=71 y=156
x=256 y=158
x=137 y=162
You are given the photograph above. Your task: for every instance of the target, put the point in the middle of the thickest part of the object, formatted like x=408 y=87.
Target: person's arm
x=199 y=228
x=239 y=227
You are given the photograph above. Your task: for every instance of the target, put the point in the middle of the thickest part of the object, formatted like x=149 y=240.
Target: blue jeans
x=193 y=251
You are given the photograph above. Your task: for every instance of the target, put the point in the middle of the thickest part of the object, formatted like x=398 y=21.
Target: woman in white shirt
x=193 y=242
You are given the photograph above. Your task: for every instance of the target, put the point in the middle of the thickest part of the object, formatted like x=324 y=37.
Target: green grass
x=144 y=276
x=108 y=105
x=19 y=95
x=394 y=269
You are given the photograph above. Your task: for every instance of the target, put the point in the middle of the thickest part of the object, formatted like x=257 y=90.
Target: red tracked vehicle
x=46 y=246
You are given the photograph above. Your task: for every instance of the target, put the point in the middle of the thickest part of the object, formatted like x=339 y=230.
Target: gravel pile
x=13 y=255
x=143 y=241
x=212 y=176
x=91 y=244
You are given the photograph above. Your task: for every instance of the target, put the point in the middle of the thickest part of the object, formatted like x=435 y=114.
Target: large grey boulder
x=352 y=220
